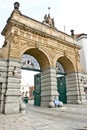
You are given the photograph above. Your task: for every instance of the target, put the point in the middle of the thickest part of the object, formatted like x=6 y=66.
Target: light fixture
x=14 y=70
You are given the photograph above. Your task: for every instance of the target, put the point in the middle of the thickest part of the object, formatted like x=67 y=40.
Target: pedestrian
x=56 y=102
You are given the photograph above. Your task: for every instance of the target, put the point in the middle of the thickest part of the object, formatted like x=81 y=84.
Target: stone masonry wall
x=3 y=75
x=48 y=86
x=75 y=89
x=12 y=94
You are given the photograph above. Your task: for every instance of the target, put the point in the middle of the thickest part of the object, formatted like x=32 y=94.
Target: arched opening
x=34 y=62
x=40 y=56
x=64 y=66
x=67 y=64
x=30 y=67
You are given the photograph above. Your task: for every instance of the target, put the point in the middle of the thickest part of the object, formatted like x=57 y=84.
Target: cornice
x=36 y=31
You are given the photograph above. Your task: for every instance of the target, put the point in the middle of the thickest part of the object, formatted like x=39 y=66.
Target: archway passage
x=61 y=88
x=39 y=56
x=64 y=67
x=66 y=64
x=30 y=64
x=30 y=67
x=37 y=90
x=61 y=83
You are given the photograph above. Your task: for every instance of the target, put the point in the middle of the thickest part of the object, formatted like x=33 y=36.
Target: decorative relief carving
x=39 y=39
x=28 y=35
x=48 y=20
x=44 y=40
x=77 y=56
x=21 y=33
x=33 y=37
x=36 y=46
x=15 y=39
x=65 y=53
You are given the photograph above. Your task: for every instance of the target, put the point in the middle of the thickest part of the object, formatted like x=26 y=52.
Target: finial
x=72 y=33
x=49 y=10
x=16 y=6
x=48 y=20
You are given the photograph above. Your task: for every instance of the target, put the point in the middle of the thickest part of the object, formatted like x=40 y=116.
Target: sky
x=67 y=14
x=28 y=77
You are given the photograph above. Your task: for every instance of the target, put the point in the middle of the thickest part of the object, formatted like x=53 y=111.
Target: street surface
x=69 y=117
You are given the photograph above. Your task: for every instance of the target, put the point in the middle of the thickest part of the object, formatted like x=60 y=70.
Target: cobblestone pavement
x=69 y=117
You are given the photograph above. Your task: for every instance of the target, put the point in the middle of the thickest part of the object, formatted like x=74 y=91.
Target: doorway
x=61 y=88
x=37 y=89
x=29 y=77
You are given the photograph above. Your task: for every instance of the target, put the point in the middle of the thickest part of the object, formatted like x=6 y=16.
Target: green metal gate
x=61 y=86
x=37 y=89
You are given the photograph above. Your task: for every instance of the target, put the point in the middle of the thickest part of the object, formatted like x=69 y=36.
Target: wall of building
x=82 y=41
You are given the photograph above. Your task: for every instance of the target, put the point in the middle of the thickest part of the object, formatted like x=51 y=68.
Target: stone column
x=75 y=89
x=83 y=85
x=12 y=93
x=3 y=75
x=48 y=86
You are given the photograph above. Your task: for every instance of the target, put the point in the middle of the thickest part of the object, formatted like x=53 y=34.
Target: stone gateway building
x=52 y=49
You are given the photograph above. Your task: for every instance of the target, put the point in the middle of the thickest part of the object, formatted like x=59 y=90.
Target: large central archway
x=40 y=56
x=44 y=64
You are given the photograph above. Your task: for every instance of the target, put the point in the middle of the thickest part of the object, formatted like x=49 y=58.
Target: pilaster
x=48 y=86
x=75 y=89
x=12 y=94
x=3 y=75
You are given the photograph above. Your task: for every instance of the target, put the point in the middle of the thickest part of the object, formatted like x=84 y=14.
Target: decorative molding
x=37 y=32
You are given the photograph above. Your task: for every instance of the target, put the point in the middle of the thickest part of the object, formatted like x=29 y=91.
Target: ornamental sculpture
x=48 y=20
x=16 y=6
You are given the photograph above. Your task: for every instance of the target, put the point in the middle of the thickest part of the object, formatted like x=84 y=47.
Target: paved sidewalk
x=69 y=117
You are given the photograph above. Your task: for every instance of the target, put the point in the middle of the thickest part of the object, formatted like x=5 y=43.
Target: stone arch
x=70 y=79
x=48 y=75
x=66 y=62
x=39 y=55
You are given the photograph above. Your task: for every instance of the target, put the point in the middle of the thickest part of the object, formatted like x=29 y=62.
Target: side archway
x=67 y=83
x=67 y=63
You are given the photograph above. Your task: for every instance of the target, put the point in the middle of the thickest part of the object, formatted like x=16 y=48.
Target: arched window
x=59 y=68
x=29 y=61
